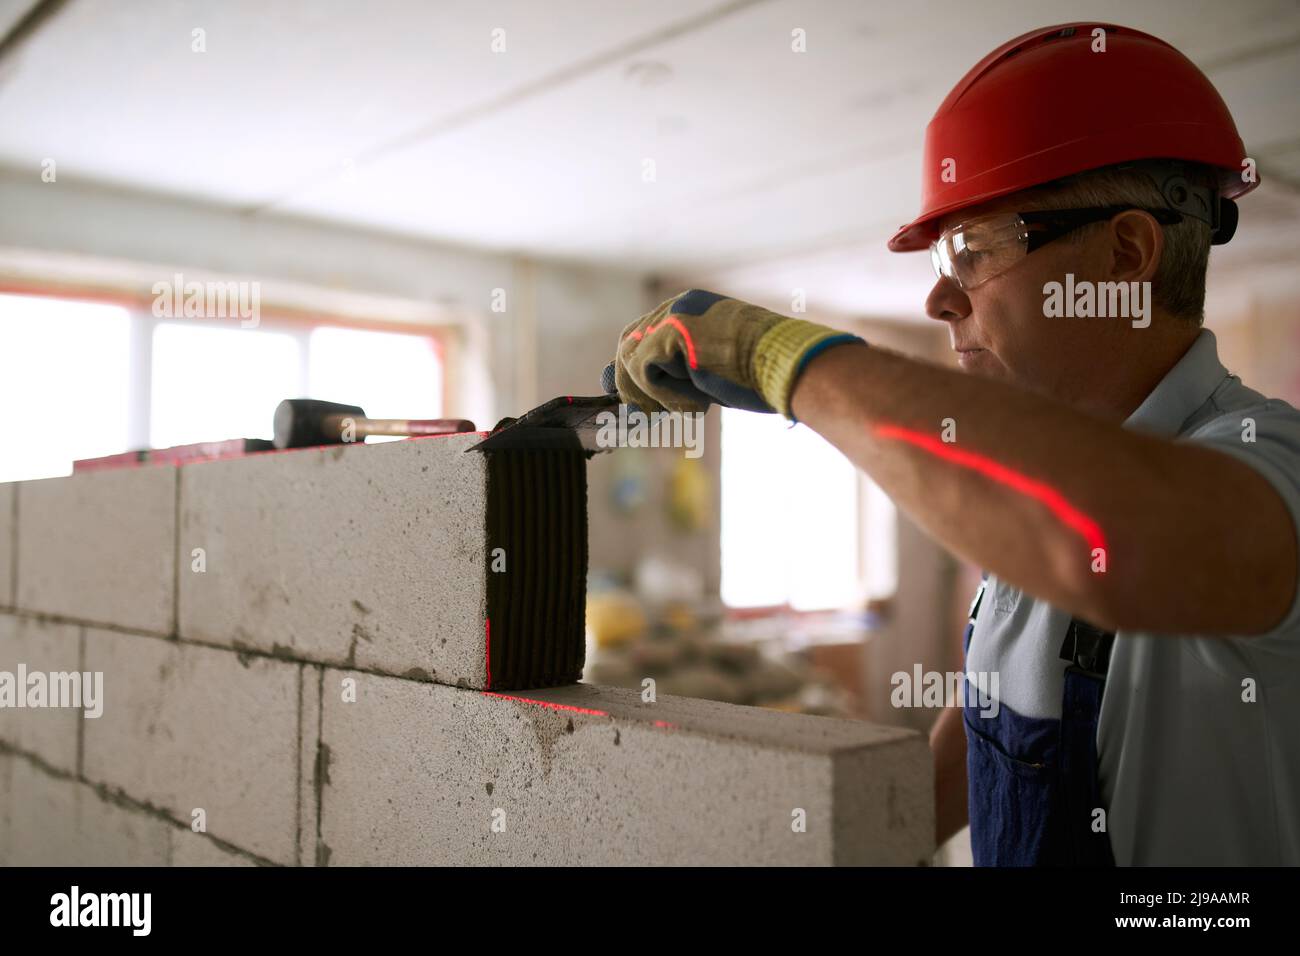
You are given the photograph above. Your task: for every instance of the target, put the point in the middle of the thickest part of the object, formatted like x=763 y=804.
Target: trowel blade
x=565 y=422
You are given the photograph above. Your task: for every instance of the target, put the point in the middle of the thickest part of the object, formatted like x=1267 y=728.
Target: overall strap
x=1088 y=650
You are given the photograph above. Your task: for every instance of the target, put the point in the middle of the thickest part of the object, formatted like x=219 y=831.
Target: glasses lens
x=974 y=252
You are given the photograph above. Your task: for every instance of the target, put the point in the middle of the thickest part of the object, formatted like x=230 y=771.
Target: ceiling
x=771 y=170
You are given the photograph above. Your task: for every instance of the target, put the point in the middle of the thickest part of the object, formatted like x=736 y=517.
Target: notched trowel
x=569 y=421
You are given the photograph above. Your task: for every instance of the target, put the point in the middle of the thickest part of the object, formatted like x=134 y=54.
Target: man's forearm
x=1030 y=487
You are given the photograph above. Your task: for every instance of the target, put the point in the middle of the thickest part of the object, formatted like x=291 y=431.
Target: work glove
x=700 y=347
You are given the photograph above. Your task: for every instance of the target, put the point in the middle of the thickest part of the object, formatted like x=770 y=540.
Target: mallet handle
x=406 y=428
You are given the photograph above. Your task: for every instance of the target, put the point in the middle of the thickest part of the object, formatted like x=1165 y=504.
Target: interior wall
x=1258 y=333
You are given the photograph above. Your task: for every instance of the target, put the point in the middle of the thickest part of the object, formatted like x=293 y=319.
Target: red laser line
x=1069 y=515
x=547 y=703
x=487 y=636
x=677 y=324
x=106 y=462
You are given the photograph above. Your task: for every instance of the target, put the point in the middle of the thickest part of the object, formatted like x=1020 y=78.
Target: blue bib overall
x=1034 y=785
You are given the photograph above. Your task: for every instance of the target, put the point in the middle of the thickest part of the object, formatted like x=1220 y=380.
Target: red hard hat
x=1045 y=105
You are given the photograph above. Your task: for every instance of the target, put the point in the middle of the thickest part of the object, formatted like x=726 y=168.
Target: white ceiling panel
x=285 y=92
x=11 y=11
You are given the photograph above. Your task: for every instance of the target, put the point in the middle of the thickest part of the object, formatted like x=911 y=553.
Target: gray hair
x=1179 y=283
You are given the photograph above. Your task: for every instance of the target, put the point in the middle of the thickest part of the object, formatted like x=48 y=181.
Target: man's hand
x=699 y=347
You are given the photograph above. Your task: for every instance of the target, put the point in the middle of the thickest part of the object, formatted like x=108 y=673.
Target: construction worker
x=1135 y=505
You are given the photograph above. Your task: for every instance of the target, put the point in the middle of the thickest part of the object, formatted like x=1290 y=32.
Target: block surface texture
x=100 y=547
x=51 y=820
x=49 y=733
x=382 y=557
x=188 y=727
x=424 y=774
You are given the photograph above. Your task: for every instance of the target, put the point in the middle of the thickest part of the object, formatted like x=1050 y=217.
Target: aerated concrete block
x=188 y=727
x=194 y=849
x=100 y=547
x=8 y=526
x=425 y=774
x=52 y=820
x=310 y=690
x=30 y=652
x=385 y=557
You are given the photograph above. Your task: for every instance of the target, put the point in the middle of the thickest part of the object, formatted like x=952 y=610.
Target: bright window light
x=790 y=516
x=65 y=374
x=211 y=384
x=389 y=374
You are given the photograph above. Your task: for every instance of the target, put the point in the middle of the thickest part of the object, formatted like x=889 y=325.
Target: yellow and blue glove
x=700 y=347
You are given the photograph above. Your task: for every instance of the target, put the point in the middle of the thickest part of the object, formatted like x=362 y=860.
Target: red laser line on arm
x=1069 y=515
x=677 y=324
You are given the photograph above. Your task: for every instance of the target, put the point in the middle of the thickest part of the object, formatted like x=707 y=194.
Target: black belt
x=1087 y=648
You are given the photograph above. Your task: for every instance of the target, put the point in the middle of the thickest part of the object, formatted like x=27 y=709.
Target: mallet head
x=301 y=422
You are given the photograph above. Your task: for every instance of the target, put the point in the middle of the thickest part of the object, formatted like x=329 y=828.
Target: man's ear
x=1137 y=243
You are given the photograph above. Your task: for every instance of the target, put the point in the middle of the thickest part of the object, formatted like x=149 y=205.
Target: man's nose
x=946 y=302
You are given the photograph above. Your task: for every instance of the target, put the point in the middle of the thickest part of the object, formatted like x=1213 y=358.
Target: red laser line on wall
x=1069 y=515
x=551 y=704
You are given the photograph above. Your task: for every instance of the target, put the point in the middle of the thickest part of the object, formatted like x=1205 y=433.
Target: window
x=800 y=525
x=211 y=382
x=83 y=380
x=65 y=384
x=389 y=374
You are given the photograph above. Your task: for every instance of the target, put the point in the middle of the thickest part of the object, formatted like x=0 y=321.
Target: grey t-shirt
x=1192 y=769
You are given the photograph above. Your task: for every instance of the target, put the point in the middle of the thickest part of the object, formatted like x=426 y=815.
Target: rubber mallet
x=305 y=422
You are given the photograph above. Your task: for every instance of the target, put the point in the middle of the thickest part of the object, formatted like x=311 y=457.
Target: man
x=1136 y=507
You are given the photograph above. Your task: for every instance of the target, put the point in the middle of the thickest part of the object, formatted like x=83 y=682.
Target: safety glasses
x=972 y=252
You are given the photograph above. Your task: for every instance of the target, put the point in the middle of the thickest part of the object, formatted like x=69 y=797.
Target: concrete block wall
x=593 y=775
x=368 y=556
x=295 y=672
x=100 y=547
